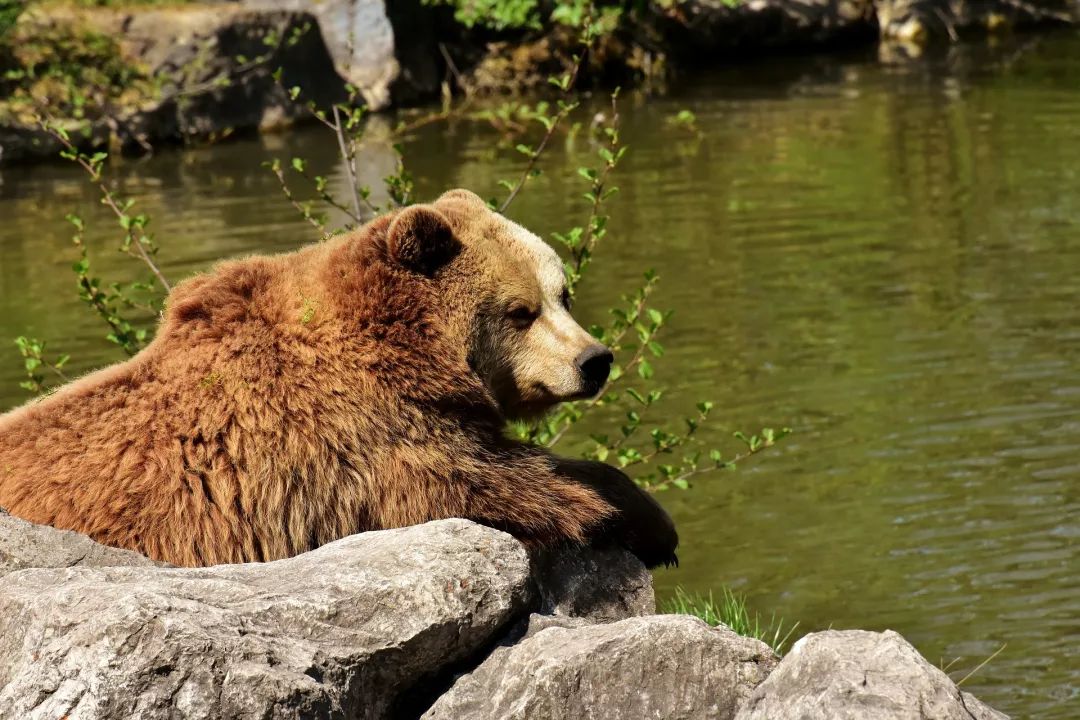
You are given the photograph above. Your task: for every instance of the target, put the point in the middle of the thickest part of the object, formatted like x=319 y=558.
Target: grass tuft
x=730 y=609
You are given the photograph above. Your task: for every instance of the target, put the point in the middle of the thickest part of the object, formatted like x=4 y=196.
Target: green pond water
x=885 y=257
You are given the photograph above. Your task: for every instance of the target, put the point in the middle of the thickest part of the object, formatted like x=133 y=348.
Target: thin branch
x=327 y=197
x=664 y=448
x=348 y=154
x=723 y=465
x=59 y=373
x=588 y=243
x=453 y=68
x=107 y=199
x=305 y=212
x=431 y=118
x=559 y=117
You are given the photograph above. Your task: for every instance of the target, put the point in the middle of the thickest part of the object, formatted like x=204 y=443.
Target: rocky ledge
x=200 y=70
x=444 y=620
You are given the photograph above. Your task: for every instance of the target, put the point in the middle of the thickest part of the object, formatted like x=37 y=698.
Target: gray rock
x=26 y=545
x=536 y=623
x=360 y=39
x=215 y=64
x=855 y=674
x=600 y=585
x=349 y=630
x=664 y=666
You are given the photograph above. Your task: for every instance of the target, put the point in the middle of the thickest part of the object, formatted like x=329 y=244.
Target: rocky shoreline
x=206 y=69
x=444 y=620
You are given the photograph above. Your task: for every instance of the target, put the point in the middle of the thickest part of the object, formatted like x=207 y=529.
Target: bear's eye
x=567 y=299
x=522 y=316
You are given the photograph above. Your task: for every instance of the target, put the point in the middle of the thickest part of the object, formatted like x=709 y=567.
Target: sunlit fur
x=359 y=384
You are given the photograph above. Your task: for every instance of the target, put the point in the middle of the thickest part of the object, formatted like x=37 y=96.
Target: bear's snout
x=594 y=364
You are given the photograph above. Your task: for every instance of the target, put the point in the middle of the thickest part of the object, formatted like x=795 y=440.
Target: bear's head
x=503 y=289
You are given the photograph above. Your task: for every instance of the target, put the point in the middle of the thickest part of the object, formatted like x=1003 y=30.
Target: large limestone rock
x=26 y=545
x=855 y=674
x=352 y=629
x=663 y=666
x=360 y=39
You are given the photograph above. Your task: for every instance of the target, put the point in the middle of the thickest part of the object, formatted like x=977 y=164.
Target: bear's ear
x=420 y=239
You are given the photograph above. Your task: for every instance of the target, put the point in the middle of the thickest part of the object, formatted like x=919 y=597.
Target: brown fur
x=292 y=400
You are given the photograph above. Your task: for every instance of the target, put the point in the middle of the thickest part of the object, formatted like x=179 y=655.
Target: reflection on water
x=883 y=256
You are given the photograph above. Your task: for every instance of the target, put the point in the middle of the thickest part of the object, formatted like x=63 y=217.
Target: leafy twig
x=132 y=224
x=348 y=154
x=317 y=221
x=565 y=84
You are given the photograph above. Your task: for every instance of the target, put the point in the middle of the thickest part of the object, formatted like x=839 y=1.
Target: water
x=884 y=257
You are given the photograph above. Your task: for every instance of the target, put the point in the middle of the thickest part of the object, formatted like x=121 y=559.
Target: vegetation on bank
x=534 y=15
x=55 y=62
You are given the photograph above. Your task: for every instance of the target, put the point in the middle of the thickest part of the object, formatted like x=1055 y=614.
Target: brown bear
x=359 y=384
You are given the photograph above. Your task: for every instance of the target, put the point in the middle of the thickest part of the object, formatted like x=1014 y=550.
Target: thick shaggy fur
x=292 y=400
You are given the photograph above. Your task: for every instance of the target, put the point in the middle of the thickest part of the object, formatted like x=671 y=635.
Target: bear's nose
x=595 y=364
